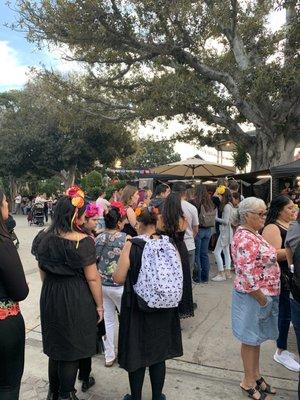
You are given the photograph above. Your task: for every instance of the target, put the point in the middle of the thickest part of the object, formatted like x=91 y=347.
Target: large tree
x=218 y=61
x=47 y=135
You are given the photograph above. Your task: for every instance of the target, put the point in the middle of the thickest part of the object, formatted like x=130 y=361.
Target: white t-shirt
x=191 y=215
x=102 y=203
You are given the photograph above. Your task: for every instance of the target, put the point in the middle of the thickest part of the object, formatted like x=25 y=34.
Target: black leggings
x=157 y=374
x=12 y=343
x=85 y=367
x=62 y=377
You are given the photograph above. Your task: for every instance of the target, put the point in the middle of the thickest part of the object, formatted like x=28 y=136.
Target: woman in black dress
x=145 y=339
x=172 y=222
x=13 y=288
x=71 y=297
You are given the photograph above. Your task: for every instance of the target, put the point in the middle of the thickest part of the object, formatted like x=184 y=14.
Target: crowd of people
x=136 y=256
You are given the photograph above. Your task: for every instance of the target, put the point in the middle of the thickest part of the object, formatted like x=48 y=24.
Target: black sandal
x=251 y=392
x=268 y=389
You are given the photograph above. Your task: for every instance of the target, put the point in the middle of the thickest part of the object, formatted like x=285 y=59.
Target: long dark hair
x=226 y=198
x=202 y=198
x=3 y=229
x=276 y=206
x=172 y=213
x=62 y=217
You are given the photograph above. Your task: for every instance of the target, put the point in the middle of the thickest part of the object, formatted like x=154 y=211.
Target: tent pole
x=271 y=188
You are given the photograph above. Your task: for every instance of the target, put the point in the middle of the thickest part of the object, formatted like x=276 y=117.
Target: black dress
x=68 y=310
x=145 y=338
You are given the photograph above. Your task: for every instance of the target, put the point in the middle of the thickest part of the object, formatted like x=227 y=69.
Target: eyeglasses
x=260 y=214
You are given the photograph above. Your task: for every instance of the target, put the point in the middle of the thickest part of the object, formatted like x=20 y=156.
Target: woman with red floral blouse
x=255 y=294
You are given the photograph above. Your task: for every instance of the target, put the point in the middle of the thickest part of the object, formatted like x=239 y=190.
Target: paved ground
x=210 y=368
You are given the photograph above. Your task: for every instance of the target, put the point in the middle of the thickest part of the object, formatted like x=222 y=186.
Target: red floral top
x=255 y=262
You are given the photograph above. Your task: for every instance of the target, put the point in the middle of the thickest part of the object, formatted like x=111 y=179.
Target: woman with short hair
x=255 y=295
x=109 y=245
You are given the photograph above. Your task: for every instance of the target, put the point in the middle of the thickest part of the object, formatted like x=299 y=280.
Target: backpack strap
x=138 y=242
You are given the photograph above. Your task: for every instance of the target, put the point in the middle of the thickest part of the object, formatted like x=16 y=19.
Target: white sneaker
x=219 y=278
x=292 y=355
x=287 y=361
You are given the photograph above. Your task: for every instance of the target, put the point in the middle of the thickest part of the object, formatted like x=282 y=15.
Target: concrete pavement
x=211 y=367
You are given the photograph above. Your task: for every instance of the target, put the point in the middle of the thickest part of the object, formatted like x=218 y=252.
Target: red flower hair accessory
x=120 y=206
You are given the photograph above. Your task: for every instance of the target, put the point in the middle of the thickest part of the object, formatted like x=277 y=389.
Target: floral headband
x=120 y=206
x=76 y=195
x=93 y=209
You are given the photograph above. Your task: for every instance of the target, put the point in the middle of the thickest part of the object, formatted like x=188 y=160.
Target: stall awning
x=286 y=170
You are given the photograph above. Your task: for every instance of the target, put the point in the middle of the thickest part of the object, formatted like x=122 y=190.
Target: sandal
x=251 y=392
x=267 y=388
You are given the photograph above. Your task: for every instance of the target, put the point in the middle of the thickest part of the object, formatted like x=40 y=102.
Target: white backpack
x=160 y=280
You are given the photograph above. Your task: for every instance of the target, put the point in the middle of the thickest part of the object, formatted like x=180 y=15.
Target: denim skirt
x=253 y=324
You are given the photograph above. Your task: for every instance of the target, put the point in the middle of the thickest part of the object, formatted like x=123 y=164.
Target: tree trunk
x=266 y=153
x=68 y=177
x=13 y=189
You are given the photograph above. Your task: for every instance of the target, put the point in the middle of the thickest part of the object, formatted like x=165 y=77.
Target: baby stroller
x=36 y=215
x=11 y=224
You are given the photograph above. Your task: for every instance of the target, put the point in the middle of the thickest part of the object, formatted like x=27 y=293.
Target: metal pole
x=271 y=188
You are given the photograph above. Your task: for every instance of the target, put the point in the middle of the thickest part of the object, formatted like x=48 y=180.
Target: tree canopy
x=217 y=61
x=151 y=152
x=47 y=135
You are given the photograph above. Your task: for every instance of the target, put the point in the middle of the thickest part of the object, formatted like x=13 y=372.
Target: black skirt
x=68 y=319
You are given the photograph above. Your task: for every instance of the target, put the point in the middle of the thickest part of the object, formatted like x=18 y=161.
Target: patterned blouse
x=255 y=262
x=108 y=250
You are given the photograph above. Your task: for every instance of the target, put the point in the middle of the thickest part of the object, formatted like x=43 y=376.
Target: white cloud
x=12 y=73
x=56 y=59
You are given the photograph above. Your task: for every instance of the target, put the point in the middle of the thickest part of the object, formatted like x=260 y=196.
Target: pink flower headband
x=92 y=209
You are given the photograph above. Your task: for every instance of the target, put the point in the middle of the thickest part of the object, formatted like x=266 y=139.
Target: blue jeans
x=201 y=257
x=295 y=309
x=284 y=319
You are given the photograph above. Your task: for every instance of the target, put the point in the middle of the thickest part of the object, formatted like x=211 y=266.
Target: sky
x=17 y=56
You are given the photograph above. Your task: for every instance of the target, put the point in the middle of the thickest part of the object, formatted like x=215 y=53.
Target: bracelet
x=100 y=309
